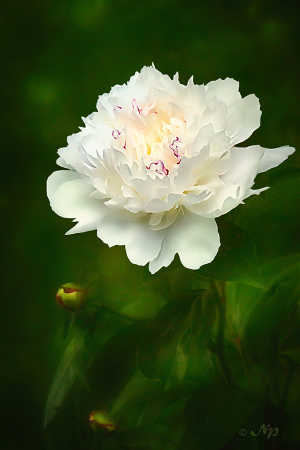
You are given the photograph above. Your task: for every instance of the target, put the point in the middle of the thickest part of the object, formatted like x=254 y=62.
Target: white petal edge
x=273 y=157
x=225 y=90
x=69 y=197
x=141 y=242
x=243 y=119
x=194 y=238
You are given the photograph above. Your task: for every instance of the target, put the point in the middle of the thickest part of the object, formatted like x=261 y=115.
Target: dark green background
x=57 y=57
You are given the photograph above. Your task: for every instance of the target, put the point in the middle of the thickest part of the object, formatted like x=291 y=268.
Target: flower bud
x=71 y=296
x=101 y=420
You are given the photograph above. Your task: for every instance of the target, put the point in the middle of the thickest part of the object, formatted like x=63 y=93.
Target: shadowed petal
x=142 y=243
x=273 y=157
x=69 y=197
x=194 y=238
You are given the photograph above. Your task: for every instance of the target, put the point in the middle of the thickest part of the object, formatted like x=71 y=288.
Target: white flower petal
x=142 y=243
x=157 y=162
x=243 y=119
x=194 y=238
x=225 y=90
x=69 y=197
x=237 y=172
x=273 y=157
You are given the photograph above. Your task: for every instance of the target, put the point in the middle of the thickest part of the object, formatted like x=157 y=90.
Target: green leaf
x=145 y=435
x=277 y=269
x=112 y=368
x=91 y=328
x=267 y=325
x=215 y=414
x=63 y=379
x=134 y=390
x=272 y=219
x=236 y=259
x=68 y=323
x=109 y=443
x=292 y=429
x=293 y=354
x=182 y=280
x=253 y=423
x=157 y=348
x=241 y=301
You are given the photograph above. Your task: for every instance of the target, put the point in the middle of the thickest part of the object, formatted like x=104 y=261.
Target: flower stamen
x=174 y=149
x=135 y=106
x=161 y=169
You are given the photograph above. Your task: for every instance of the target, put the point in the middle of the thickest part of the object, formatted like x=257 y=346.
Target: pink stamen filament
x=164 y=170
x=175 y=150
x=114 y=134
x=135 y=105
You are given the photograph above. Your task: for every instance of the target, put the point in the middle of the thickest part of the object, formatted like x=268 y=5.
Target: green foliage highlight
x=236 y=260
x=63 y=379
x=218 y=355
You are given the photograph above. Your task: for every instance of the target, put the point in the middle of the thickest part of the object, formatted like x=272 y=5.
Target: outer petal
x=69 y=197
x=273 y=157
x=244 y=118
x=142 y=243
x=194 y=238
x=238 y=170
x=225 y=90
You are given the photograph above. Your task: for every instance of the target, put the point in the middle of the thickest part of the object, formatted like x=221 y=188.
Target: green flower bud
x=101 y=420
x=71 y=296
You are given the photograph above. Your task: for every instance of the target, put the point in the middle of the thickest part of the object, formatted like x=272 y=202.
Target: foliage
x=219 y=358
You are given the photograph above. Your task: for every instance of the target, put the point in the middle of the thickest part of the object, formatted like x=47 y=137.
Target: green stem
x=113 y=311
x=220 y=342
x=292 y=368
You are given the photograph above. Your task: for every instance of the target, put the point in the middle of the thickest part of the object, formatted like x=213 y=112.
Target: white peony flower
x=157 y=163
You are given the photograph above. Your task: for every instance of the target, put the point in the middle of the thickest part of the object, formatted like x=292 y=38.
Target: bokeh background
x=57 y=57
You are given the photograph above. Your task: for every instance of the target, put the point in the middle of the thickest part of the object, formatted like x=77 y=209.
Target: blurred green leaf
x=182 y=280
x=253 y=423
x=144 y=309
x=236 y=259
x=292 y=407
x=91 y=328
x=112 y=367
x=202 y=364
x=241 y=301
x=215 y=414
x=68 y=323
x=272 y=218
x=109 y=443
x=294 y=354
x=157 y=348
x=163 y=399
x=277 y=269
x=133 y=391
x=63 y=379
x=145 y=435
x=266 y=327
x=282 y=174
x=205 y=316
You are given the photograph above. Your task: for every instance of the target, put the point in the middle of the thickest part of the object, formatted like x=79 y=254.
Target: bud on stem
x=71 y=296
x=101 y=420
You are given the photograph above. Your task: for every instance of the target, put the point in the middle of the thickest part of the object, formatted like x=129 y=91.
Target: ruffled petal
x=237 y=172
x=194 y=238
x=273 y=157
x=243 y=119
x=142 y=243
x=69 y=197
x=225 y=90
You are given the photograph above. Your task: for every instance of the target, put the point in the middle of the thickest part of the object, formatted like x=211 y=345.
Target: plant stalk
x=220 y=342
